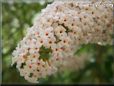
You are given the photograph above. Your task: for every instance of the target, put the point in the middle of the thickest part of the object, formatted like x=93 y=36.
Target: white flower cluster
x=56 y=34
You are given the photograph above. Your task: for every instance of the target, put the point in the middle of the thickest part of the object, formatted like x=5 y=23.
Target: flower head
x=55 y=35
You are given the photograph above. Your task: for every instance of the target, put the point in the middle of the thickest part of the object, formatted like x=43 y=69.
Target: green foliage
x=17 y=17
x=45 y=53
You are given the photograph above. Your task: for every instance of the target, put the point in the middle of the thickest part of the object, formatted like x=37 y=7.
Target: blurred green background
x=17 y=17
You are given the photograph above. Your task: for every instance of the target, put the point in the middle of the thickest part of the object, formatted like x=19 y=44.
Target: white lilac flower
x=57 y=33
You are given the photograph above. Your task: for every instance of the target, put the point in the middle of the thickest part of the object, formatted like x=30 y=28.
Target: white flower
x=57 y=33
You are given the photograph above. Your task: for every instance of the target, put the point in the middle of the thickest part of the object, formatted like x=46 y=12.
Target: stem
x=100 y=50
